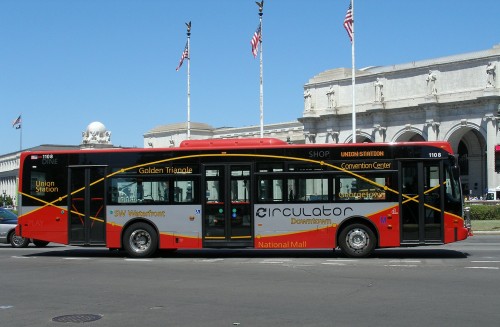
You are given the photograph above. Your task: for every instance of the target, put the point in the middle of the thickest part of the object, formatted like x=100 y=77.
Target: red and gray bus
x=259 y=193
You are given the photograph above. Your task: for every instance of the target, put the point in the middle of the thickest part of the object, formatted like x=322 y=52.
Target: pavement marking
x=138 y=260
x=338 y=262
x=494 y=268
x=74 y=258
x=3 y=307
x=407 y=266
x=486 y=261
x=211 y=260
x=22 y=257
x=407 y=261
x=273 y=262
x=158 y=307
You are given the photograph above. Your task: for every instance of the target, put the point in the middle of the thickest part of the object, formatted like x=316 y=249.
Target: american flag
x=185 y=54
x=349 y=21
x=17 y=122
x=255 y=41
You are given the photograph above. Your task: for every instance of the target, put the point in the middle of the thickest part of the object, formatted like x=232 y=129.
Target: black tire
x=40 y=244
x=357 y=241
x=140 y=240
x=18 y=241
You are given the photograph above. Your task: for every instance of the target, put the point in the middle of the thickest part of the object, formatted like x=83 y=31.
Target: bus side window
x=368 y=188
x=164 y=191
x=156 y=191
x=347 y=188
x=184 y=191
x=139 y=190
x=270 y=190
x=307 y=189
x=122 y=190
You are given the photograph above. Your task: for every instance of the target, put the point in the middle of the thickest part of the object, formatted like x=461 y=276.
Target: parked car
x=8 y=223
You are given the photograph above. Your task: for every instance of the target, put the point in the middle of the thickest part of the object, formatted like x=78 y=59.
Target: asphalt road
x=452 y=285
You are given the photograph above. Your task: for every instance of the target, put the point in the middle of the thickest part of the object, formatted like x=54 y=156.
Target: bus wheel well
x=357 y=237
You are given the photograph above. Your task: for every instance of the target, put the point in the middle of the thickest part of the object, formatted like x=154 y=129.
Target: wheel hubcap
x=357 y=239
x=140 y=240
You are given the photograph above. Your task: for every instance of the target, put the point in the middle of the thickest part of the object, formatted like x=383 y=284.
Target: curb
x=484 y=232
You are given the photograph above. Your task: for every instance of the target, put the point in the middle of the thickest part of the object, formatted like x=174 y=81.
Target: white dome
x=96 y=127
x=96 y=133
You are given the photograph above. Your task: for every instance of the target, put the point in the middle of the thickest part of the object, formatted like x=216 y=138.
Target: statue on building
x=431 y=83
x=490 y=70
x=307 y=100
x=330 y=95
x=379 y=92
x=310 y=137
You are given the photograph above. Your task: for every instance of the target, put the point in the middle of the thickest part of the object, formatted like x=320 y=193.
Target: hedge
x=484 y=212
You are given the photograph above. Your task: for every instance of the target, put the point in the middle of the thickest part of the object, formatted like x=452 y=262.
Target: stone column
x=491 y=140
x=379 y=133
x=432 y=122
x=432 y=130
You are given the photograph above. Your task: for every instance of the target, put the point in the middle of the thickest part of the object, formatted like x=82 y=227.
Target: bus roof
x=244 y=142
x=235 y=143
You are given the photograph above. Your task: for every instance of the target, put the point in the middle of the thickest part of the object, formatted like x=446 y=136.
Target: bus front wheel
x=357 y=240
x=140 y=240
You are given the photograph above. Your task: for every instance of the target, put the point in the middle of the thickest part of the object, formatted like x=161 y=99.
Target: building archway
x=364 y=138
x=360 y=138
x=470 y=145
x=412 y=135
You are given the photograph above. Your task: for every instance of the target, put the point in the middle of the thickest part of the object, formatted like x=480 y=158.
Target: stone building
x=171 y=135
x=454 y=99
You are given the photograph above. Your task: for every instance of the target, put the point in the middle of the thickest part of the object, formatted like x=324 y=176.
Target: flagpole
x=188 y=82
x=353 y=79
x=18 y=124
x=261 y=98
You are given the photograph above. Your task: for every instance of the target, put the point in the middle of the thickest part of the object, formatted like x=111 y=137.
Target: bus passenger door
x=421 y=202
x=86 y=205
x=227 y=216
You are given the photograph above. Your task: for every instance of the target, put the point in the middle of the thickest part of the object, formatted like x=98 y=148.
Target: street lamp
x=4 y=194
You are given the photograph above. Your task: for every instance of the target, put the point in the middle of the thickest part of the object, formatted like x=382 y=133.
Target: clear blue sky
x=67 y=63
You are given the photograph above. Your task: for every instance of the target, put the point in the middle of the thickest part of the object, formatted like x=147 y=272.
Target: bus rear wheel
x=140 y=240
x=357 y=240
